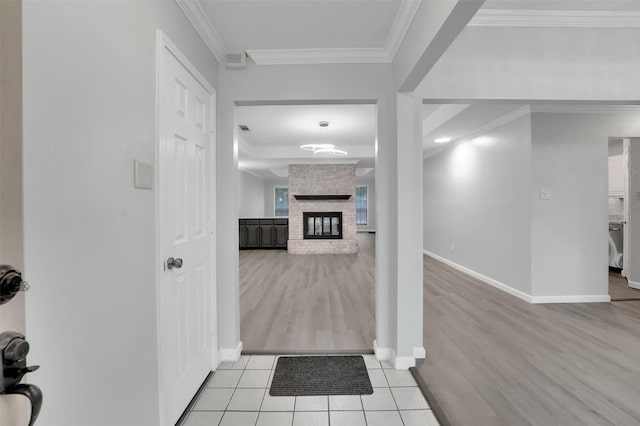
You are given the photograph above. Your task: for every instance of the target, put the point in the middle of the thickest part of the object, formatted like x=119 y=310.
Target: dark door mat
x=320 y=375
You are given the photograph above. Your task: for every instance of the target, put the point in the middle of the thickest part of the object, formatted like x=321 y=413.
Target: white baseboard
x=572 y=299
x=404 y=362
x=419 y=352
x=521 y=295
x=493 y=283
x=634 y=285
x=382 y=354
x=398 y=362
x=230 y=354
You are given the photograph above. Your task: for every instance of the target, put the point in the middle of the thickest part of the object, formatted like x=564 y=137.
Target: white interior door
x=185 y=232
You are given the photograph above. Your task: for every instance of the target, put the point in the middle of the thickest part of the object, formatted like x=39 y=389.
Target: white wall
x=476 y=196
x=89 y=111
x=251 y=195
x=371 y=211
x=570 y=234
x=269 y=195
x=634 y=212
x=538 y=63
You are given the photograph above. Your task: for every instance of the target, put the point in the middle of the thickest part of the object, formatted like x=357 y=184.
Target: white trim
x=403 y=362
x=319 y=56
x=382 y=354
x=493 y=283
x=366 y=230
x=584 y=109
x=556 y=18
x=362 y=186
x=519 y=294
x=635 y=285
x=201 y=22
x=500 y=121
x=401 y=24
x=230 y=355
x=419 y=352
x=571 y=299
x=386 y=54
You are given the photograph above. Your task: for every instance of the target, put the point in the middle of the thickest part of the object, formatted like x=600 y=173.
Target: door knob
x=174 y=263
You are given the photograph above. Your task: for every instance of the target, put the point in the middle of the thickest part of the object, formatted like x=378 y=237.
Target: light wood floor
x=619 y=288
x=308 y=302
x=495 y=360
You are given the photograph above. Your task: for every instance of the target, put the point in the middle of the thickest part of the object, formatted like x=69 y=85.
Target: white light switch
x=142 y=175
x=545 y=194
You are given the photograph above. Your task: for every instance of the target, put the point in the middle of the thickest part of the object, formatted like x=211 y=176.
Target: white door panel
x=185 y=207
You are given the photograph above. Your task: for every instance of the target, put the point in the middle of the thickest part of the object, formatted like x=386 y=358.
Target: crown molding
x=555 y=18
x=585 y=109
x=198 y=18
x=318 y=56
x=203 y=25
x=401 y=24
x=500 y=121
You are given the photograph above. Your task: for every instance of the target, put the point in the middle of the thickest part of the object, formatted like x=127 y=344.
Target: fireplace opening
x=321 y=226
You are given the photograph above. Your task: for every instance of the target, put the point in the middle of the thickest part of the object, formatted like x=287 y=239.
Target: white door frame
x=164 y=44
x=627 y=201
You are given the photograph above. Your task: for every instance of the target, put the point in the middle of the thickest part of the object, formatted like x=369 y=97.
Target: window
x=281 y=194
x=362 y=205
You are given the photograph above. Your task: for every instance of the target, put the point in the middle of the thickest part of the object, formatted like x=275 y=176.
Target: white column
x=409 y=345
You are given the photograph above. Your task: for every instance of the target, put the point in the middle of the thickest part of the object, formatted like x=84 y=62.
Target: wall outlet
x=453 y=247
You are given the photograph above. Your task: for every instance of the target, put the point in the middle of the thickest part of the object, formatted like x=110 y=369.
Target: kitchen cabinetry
x=263 y=233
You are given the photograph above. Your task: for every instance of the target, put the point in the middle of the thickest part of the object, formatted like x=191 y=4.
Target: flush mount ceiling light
x=442 y=140
x=323 y=149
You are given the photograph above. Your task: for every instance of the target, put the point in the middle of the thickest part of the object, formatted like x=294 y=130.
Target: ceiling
x=277 y=131
x=303 y=31
x=459 y=121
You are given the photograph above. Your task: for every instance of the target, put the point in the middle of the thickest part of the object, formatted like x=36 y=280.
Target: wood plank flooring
x=619 y=289
x=495 y=360
x=308 y=302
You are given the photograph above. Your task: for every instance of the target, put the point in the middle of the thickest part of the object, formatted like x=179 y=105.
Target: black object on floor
x=320 y=375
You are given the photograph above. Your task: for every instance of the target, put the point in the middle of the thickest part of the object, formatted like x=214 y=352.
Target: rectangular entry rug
x=320 y=375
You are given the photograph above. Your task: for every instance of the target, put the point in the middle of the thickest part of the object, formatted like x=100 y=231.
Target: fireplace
x=322 y=225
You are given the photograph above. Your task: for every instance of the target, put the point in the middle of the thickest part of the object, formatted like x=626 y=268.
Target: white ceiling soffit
x=406 y=12
x=439 y=114
x=556 y=18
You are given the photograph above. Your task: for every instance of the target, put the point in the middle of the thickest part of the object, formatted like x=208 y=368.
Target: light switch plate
x=142 y=175
x=545 y=194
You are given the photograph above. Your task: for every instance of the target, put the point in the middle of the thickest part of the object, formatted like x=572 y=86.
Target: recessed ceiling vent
x=236 y=61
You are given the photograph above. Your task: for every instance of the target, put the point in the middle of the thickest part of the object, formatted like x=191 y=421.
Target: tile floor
x=238 y=395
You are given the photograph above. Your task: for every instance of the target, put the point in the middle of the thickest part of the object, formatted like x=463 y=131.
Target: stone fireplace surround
x=322 y=179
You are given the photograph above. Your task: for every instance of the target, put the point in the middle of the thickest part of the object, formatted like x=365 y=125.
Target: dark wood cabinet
x=263 y=233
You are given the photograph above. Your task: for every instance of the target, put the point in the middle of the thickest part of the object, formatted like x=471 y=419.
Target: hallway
x=495 y=360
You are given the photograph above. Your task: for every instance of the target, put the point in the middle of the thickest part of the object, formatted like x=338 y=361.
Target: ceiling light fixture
x=442 y=140
x=323 y=149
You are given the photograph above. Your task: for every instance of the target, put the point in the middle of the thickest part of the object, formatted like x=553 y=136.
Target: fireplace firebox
x=322 y=225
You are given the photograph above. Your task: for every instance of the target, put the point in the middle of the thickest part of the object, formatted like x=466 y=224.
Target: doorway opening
x=620 y=204
x=302 y=292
